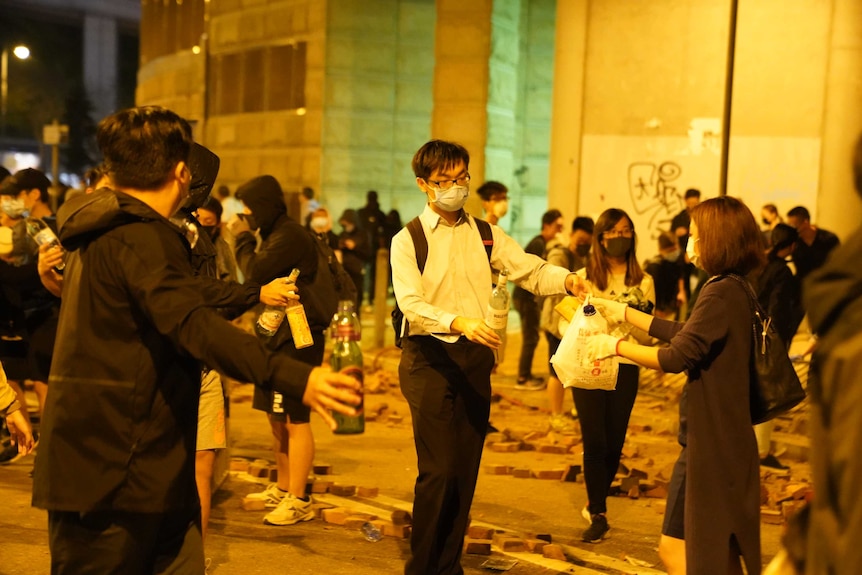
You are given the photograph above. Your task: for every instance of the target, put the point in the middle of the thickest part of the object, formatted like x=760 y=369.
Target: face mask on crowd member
x=690 y=250
x=501 y=208
x=13 y=207
x=319 y=224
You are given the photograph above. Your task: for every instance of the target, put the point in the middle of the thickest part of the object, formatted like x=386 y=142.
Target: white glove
x=601 y=346
x=614 y=311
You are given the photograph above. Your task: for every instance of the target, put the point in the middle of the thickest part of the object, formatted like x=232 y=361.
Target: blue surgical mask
x=451 y=200
x=672 y=256
x=13 y=207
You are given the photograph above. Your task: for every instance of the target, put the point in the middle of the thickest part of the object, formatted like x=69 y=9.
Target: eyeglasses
x=624 y=233
x=446 y=184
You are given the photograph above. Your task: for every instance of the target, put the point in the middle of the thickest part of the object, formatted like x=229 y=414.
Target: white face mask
x=451 y=200
x=320 y=223
x=501 y=208
x=689 y=251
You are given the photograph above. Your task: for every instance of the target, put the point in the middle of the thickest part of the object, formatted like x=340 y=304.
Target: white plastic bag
x=570 y=361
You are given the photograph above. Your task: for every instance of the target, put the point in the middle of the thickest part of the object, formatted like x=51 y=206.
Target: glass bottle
x=42 y=234
x=273 y=316
x=346 y=358
x=497 y=314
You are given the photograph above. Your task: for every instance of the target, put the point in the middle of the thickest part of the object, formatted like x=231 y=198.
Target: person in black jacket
x=285 y=245
x=355 y=252
x=115 y=466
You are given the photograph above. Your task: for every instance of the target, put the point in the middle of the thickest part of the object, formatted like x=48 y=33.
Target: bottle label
x=270 y=320
x=497 y=318
x=346 y=331
x=45 y=236
x=299 y=327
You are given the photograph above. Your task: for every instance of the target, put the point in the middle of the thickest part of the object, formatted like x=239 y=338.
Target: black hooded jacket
x=119 y=426
x=833 y=298
x=286 y=245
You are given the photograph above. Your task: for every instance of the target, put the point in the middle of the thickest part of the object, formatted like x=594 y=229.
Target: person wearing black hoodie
x=355 y=252
x=115 y=466
x=285 y=245
x=833 y=299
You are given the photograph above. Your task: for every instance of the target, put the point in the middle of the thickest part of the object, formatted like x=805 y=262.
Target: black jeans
x=604 y=417
x=128 y=543
x=448 y=387
x=528 y=309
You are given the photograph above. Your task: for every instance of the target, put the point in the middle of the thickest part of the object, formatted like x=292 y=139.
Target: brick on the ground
x=322 y=469
x=479 y=532
x=771 y=516
x=477 y=546
x=506 y=446
x=256 y=469
x=553 y=551
x=239 y=464
x=570 y=473
x=535 y=545
x=335 y=515
x=367 y=491
x=555 y=474
x=397 y=531
x=343 y=490
x=321 y=486
x=401 y=517
x=253 y=504
x=492 y=469
x=511 y=545
x=549 y=448
x=522 y=473
x=273 y=473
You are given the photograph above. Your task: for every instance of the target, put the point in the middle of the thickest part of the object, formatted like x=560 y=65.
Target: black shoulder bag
x=775 y=386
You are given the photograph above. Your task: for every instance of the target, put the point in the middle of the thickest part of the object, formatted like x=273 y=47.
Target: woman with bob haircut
x=713 y=506
x=612 y=272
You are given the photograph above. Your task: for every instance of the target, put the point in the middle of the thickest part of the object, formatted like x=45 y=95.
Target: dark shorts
x=553 y=344
x=674 y=514
x=279 y=406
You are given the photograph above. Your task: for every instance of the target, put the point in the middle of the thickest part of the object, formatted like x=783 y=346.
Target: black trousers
x=117 y=542
x=604 y=417
x=448 y=387
x=530 y=313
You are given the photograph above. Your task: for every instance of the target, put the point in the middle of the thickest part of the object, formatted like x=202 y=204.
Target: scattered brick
x=553 y=551
x=321 y=486
x=511 y=544
x=368 y=491
x=477 y=546
x=771 y=516
x=239 y=464
x=322 y=469
x=521 y=473
x=628 y=483
x=534 y=435
x=535 y=545
x=496 y=437
x=399 y=531
x=273 y=473
x=257 y=470
x=497 y=469
x=506 y=446
x=253 y=504
x=658 y=492
x=555 y=474
x=343 y=490
x=394 y=418
x=571 y=472
x=335 y=515
x=401 y=517
x=478 y=532
x=558 y=449
x=639 y=473
x=546 y=537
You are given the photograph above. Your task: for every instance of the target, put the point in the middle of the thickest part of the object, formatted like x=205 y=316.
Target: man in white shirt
x=447 y=355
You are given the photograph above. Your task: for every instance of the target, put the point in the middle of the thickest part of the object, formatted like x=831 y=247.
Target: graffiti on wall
x=654 y=194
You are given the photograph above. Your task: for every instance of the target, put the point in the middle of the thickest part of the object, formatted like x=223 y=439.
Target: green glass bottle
x=345 y=331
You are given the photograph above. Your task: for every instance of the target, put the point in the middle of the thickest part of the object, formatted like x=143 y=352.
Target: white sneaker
x=585 y=513
x=291 y=510
x=271 y=496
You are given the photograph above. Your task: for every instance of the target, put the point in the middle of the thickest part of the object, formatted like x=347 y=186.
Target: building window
x=170 y=26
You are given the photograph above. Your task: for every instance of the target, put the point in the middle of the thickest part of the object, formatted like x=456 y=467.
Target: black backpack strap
x=420 y=242
x=487 y=236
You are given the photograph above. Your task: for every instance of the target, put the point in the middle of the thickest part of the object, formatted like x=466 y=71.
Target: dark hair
x=490 y=188
x=308 y=193
x=550 y=217
x=782 y=236
x=371 y=196
x=771 y=208
x=212 y=204
x=93 y=175
x=222 y=192
x=598 y=268
x=141 y=146
x=800 y=212
x=438 y=155
x=667 y=240
x=583 y=223
x=4 y=173
x=692 y=193
x=728 y=236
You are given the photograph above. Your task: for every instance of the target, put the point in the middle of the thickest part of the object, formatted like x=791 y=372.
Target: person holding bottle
x=713 y=506
x=448 y=348
x=285 y=245
x=612 y=272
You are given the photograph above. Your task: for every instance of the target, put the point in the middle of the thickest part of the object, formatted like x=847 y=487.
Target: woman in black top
x=713 y=509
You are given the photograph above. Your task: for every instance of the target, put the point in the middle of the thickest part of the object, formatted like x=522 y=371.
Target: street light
x=22 y=53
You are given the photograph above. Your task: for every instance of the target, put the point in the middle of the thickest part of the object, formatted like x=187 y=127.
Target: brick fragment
x=398 y=531
x=658 y=492
x=495 y=437
x=555 y=474
x=273 y=473
x=553 y=551
x=253 y=504
x=558 y=449
x=343 y=490
x=628 y=483
x=401 y=517
x=239 y=464
x=506 y=446
x=639 y=473
x=322 y=469
x=335 y=515
x=512 y=545
x=771 y=516
x=535 y=545
x=367 y=491
x=497 y=469
x=546 y=537
x=477 y=546
x=255 y=469
x=394 y=418
x=522 y=473
x=321 y=486
x=570 y=473
x=479 y=532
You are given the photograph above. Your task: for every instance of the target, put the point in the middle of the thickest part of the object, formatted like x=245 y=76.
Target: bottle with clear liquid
x=42 y=234
x=346 y=358
x=273 y=316
x=497 y=314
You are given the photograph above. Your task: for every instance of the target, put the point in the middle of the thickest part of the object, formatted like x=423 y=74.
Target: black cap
x=26 y=179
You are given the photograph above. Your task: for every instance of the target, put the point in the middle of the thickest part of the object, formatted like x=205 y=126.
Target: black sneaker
x=772 y=462
x=8 y=452
x=597 y=530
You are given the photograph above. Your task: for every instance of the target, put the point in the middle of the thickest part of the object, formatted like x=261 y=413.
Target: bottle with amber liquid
x=346 y=358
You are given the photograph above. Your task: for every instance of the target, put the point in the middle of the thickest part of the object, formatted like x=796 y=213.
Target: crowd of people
x=123 y=331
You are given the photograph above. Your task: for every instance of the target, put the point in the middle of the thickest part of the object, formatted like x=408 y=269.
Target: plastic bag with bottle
x=570 y=361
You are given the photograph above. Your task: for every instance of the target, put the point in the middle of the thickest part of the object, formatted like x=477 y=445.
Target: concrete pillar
x=100 y=63
x=839 y=209
x=567 y=106
x=462 y=49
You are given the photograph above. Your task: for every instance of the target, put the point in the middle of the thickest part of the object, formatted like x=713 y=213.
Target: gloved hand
x=601 y=346
x=613 y=311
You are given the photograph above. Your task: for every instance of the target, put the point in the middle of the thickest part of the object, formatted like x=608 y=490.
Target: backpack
x=342 y=284
x=420 y=243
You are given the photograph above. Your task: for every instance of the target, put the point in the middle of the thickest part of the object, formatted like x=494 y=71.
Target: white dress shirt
x=457 y=276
